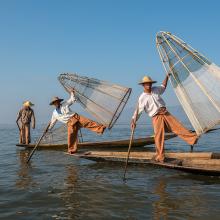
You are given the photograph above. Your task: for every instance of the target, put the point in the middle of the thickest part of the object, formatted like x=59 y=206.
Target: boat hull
x=115 y=144
x=206 y=163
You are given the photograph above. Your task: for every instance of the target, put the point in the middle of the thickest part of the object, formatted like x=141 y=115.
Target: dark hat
x=55 y=99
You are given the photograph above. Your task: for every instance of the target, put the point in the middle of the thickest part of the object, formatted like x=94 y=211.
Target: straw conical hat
x=54 y=99
x=28 y=104
x=146 y=79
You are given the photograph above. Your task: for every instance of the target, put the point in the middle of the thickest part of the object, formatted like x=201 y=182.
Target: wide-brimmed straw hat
x=146 y=79
x=55 y=99
x=28 y=104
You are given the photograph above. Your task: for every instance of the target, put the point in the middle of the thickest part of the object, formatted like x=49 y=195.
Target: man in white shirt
x=151 y=102
x=74 y=121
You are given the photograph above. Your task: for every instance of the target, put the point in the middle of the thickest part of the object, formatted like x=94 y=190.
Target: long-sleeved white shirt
x=64 y=113
x=150 y=103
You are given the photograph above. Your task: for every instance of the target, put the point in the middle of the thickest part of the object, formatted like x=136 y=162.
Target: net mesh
x=104 y=100
x=196 y=81
x=57 y=135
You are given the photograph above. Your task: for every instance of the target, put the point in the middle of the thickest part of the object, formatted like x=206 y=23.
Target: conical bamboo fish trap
x=104 y=100
x=195 y=79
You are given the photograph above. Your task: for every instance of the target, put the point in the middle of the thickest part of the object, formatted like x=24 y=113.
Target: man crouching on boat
x=151 y=102
x=63 y=113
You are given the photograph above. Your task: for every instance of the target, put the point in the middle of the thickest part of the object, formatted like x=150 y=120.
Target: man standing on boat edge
x=151 y=102
x=63 y=113
x=25 y=116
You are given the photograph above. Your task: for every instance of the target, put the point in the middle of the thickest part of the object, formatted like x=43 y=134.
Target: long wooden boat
x=207 y=163
x=115 y=144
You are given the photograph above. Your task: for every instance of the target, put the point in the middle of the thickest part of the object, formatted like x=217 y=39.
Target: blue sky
x=112 y=40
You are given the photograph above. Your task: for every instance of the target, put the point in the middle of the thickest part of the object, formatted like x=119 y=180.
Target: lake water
x=57 y=186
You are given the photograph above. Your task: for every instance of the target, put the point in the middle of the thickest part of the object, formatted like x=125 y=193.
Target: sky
x=112 y=40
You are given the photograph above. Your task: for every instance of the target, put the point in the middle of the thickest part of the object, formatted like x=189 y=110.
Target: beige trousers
x=25 y=136
x=165 y=122
x=74 y=124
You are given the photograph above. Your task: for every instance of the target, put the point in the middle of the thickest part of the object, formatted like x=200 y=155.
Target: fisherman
x=25 y=116
x=151 y=102
x=63 y=113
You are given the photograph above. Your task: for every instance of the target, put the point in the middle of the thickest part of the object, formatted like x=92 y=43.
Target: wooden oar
x=131 y=141
x=38 y=142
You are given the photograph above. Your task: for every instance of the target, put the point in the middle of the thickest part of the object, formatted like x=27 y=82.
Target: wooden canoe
x=115 y=144
x=206 y=163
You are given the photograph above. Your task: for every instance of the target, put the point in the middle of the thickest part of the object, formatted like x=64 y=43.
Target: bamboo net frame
x=102 y=99
x=195 y=80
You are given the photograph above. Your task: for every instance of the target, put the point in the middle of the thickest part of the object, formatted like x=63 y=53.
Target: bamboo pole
x=131 y=141
x=128 y=155
x=38 y=142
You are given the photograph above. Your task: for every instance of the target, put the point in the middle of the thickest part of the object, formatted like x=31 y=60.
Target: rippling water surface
x=57 y=186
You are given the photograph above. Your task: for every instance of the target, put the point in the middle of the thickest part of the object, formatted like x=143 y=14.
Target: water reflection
x=70 y=194
x=71 y=179
x=25 y=179
x=164 y=204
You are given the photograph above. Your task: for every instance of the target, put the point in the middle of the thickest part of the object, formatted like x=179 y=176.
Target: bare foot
x=160 y=159
x=103 y=129
x=72 y=152
x=154 y=158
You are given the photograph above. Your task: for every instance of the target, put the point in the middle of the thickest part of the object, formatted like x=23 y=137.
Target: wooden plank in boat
x=148 y=154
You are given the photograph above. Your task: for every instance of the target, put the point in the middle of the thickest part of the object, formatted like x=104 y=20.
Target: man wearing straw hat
x=151 y=102
x=25 y=117
x=63 y=113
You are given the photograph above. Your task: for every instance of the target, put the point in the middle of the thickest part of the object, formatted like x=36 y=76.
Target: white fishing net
x=57 y=135
x=104 y=100
x=195 y=80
